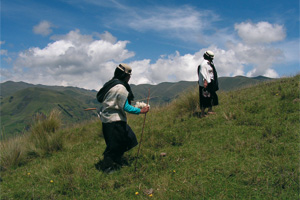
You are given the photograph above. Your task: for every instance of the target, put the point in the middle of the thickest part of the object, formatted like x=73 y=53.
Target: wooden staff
x=137 y=155
x=87 y=109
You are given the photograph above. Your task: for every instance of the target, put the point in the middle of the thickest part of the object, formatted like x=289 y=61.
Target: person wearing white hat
x=115 y=99
x=208 y=83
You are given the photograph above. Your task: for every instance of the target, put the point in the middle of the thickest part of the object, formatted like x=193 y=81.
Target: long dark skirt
x=119 y=138
x=208 y=96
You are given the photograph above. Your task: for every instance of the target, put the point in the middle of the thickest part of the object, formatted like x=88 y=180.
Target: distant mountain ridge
x=18 y=109
x=167 y=91
x=20 y=101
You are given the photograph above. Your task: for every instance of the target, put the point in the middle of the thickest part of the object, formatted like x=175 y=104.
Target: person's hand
x=205 y=84
x=145 y=109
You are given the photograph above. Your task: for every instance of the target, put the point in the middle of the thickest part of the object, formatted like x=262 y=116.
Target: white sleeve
x=204 y=72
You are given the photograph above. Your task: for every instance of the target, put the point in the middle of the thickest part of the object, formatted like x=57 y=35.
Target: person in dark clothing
x=115 y=99
x=208 y=83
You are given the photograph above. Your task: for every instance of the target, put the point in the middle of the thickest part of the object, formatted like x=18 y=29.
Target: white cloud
x=271 y=73
x=6 y=74
x=227 y=62
x=3 y=52
x=163 y=18
x=176 y=67
x=89 y=61
x=256 y=49
x=107 y=36
x=262 y=32
x=185 y=23
x=80 y=60
x=43 y=28
x=291 y=50
x=72 y=59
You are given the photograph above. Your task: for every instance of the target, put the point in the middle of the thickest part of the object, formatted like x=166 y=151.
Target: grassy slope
x=249 y=150
x=18 y=110
x=13 y=122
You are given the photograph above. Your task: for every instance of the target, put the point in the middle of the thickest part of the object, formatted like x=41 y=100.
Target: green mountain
x=227 y=83
x=165 y=92
x=21 y=101
x=248 y=150
x=87 y=96
x=19 y=109
x=162 y=93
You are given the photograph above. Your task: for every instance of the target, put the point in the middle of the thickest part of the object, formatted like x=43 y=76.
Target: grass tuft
x=44 y=134
x=187 y=102
x=13 y=153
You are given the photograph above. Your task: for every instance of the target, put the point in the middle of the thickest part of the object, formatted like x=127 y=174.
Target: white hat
x=125 y=68
x=210 y=54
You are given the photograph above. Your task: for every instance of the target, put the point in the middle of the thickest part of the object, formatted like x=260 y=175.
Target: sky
x=80 y=42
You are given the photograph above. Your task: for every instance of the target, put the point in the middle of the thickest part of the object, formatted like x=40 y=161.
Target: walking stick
x=88 y=109
x=137 y=155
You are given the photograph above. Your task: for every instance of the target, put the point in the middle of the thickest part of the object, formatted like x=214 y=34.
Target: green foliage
x=43 y=138
x=248 y=150
x=44 y=134
x=13 y=152
x=17 y=112
x=187 y=102
x=21 y=101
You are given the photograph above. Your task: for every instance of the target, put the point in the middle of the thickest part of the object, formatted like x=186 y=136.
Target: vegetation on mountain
x=166 y=92
x=248 y=150
x=21 y=101
x=18 y=110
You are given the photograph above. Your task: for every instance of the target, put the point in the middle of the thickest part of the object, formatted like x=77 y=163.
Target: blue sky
x=80 y=42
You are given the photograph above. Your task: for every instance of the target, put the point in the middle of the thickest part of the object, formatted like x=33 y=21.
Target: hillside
x=18 y=111
x=248 y=150
x=86 y=96
x=162 y=93
x=166 y=92
x=227 y=84
x=37 y=100
x=173 y=88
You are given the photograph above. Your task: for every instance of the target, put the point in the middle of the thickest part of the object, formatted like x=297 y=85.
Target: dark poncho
x=107 y=86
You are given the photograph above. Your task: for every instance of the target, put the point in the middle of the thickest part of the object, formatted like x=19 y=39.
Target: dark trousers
x=208 y=96
x=119 y=138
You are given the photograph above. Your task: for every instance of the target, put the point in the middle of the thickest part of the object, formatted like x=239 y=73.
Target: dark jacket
x=107 y=86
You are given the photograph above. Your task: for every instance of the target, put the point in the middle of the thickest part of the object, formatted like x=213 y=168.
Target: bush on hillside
x=43 y=138
x=12 y=152
x=187 y=102
x=44 y=134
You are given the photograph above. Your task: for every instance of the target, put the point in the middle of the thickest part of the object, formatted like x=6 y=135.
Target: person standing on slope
x=208 y=83
x=115 y=98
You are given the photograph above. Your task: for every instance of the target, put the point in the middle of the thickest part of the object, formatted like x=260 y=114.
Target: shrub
x=44 y=134
x=187 y=102
x=12 y=152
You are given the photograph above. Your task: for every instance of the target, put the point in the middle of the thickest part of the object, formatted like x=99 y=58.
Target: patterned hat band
x=210 y=54
x=125 y=68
